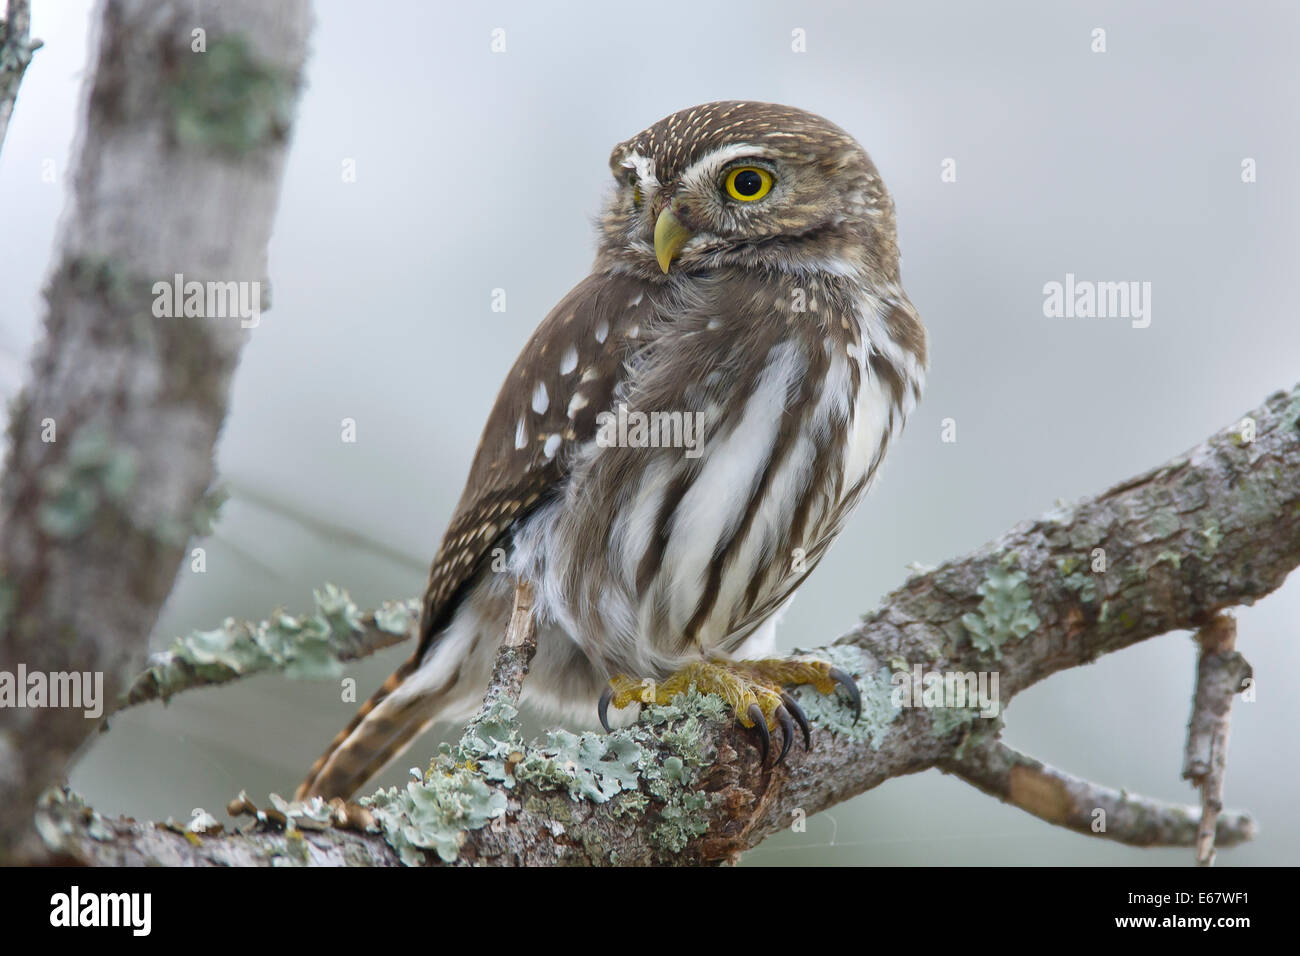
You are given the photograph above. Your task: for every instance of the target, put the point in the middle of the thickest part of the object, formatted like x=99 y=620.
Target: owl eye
x=748 y=183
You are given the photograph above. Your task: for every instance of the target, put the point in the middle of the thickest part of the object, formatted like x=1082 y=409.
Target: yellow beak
x=670 y=236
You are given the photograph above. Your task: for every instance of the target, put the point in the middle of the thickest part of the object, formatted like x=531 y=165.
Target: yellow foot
x=753 y=690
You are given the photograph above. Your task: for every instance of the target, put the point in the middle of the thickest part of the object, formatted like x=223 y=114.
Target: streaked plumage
x=781 y=322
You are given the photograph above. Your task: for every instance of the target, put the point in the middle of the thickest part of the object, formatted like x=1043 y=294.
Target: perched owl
x=679 y=442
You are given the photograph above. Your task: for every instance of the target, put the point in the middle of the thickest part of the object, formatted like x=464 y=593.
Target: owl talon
x=787 y=731
x=800 y=717
x=602 y=708
x=755 y=714
x=850 y=685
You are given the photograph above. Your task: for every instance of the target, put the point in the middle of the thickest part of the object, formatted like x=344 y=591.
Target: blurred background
x=477 y=171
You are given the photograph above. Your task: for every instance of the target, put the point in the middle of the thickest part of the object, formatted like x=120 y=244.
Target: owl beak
x=670 y=236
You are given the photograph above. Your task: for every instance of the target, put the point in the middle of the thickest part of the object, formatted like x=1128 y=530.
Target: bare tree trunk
x=182 y=144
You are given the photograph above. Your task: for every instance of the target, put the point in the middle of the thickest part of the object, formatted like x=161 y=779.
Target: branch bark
x=1221 y=674
x=16 y=49
x=1167 y=550
x=182 y=146
x=1076 y=804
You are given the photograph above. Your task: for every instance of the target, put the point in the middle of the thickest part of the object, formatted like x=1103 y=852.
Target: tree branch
x=16 y=49
x=1221 y=674
x=1164 y=551
x=1087 y=808
x=313 y=646
x=516 y=653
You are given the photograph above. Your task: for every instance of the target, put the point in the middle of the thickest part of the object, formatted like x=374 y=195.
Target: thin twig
x=1220 y=675
x=1085 y=807
x=516 y=653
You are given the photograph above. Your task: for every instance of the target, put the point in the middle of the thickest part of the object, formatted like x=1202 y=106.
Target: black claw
x=787 y=731
x=850 y=685
x=800 y=718
x=764 y=738
x=603 y=707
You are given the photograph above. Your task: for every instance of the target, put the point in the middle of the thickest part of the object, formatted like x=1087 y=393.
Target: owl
x=679 y=442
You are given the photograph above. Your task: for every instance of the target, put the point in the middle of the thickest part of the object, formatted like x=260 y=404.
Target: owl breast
x=658 y=553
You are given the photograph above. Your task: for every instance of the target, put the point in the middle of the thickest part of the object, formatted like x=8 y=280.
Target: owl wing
x=564 y=377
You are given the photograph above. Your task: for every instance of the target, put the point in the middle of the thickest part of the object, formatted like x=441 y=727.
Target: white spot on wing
x=541 y=400
x=569 y=360
x=551 y=446
x=521 y=435
x=602 y=330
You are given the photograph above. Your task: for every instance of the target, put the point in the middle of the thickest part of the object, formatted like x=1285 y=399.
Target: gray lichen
x=304 y=647
x=1006 y=611
x=436 y=813
x=589 y=766
x=95 y=471
x=60 y=813
x=947 y=719
x=1081 y=581
x=832 y=711
x=208 y=510
x=226 y=100
x=1213 y=537
x=1291 y=414
x=397 y=617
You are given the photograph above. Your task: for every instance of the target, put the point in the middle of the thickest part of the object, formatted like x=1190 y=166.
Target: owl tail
x=381 y=730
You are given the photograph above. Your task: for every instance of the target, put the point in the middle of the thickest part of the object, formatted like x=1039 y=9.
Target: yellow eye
x=748 y=183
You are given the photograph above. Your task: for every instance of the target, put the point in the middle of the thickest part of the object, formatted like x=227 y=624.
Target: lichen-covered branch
x=156 y=279
x=1082 y=806
x=16 y=49
x=312 y=646
x=1164 y=551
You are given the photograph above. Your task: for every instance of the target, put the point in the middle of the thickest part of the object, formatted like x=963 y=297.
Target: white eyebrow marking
x=551 y=445
x=541 y=400
x=521 y=435
x=701 y=172
x=569 y=360
x=645 y=169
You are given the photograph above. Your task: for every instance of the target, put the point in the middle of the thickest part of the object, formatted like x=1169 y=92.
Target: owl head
x=746 y=185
